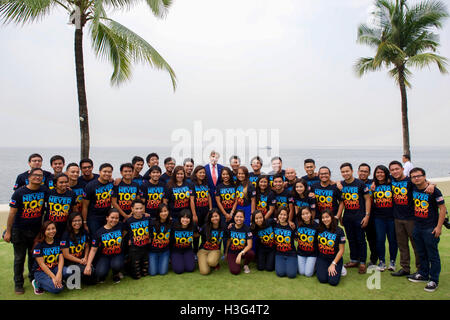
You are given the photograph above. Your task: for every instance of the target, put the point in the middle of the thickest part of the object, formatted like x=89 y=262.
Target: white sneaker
x=343 y=271
x=391 y=266
x=246 y=269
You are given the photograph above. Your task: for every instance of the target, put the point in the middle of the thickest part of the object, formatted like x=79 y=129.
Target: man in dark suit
x=213 y=173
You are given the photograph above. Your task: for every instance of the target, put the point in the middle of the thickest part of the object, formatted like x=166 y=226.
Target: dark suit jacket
x=212 y=187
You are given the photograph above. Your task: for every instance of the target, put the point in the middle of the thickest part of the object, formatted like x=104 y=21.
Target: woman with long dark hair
x=48 y=269
x=306 y=242
x=159 y=253
x=263 y=235
x=201 y=201
x=182 y=238
x=245 y=195
x=284 y=237
x=108 y=241
x=212 y=234
x=75 y=243
x=177 y=193
x=264 y=198
x=383 y=211
x=301 y=199
x=226 y=195
x=331 y=246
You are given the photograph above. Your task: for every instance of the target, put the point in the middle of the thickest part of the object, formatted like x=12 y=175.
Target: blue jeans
x=322 y=271
x=427 y=249
x=356 y=237
x=106 y=263
x=306 y=265
x=46 y=283
x=159 y=262
x=386 y=227
x=286 y=266
x=94 y=223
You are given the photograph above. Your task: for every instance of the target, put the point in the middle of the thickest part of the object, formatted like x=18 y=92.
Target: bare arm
x=442 y=212
x=9 y=223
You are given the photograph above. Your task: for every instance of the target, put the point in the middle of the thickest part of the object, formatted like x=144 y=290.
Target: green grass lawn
x=257 y=285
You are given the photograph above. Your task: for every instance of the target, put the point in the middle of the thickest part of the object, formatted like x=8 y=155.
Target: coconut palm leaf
x=25 y=11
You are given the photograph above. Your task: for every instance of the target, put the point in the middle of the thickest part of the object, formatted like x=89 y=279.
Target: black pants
x=138 y=261
x=265 y=260
x=201 y=215
x=22 y=241
x=372 y=240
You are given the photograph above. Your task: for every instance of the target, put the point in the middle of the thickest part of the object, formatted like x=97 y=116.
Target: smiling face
x=62 y=184
x=379 y=174
x=164 y=214
x=138 y=166
x=347 y=173
x=154 y=175
x=77 y=222
x=326 y=219
x=290 y=174
x=263 y=183
x=112 y=219
x=188 y=168
x=256 y=165
x=35 y=162
x=259 y=219
x=86 y=169
x=73 y=173
x=225 y=176
x=201 y=174
x=57 y=166
x=282 y=216
x=309 y=168
x=241 y=175
x=50 y=232
x=239 y=218
x=215 y=219
x=276 y=165
x=170 y=166
x=234 y=164
x=278 y=184
x=306 y=215
x=105 y=173
x=396 y=171
x=180 y=176
x=185 y=220
x=299 y=188
x=363 y=173
x=127 y=173
x=324 y=175
x=36 y=177
x=138 y=210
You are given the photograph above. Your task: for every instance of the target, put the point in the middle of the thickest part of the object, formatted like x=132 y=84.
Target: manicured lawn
x=254 y=286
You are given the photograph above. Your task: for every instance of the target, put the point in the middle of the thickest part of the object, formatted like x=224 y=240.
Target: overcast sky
x=285 y=64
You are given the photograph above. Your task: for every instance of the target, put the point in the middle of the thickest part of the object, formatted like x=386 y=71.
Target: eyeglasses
x=416 y=177
x=87 y=167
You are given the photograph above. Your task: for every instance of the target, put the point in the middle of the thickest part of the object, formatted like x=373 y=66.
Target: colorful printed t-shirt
x=238 y=238
x=328 y=243
x=403 y=200
x=76 y=248
x=245 y=200
x=213 y=243
x=307 y=240
x=50 y=253
x=353 y=197
x=426 y=210
x=284 y=238
x=109 y=241
x=153 y=195
x=125 y=194
x=227 y=194
x=99 y=196
x=139 y=231
x=178 y=197
x=22 y=179
x=160 y=240
x=182 y=238
x=326 y=198
x=30 y=207
x=383 y=203
x=264 y=201
x=59 y=206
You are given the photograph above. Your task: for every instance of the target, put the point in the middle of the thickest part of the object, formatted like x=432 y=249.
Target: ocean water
x=435 y=161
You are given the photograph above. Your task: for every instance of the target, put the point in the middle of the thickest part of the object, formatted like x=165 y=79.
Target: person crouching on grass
x=49 y=269
x=139 y=238
x=285 y=254
x=239 y=245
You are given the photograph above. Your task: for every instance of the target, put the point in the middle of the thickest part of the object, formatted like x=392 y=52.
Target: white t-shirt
x=408 y=166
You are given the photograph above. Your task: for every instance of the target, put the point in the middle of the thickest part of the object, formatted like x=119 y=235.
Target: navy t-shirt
x=139 y=231
x=227 y=194
x=245 y=200
x=264 y=201
x=78 y=189
x=125 y=194
x=265 y=236
x=153 y=195
x=238 y=238
x=282 y=199
x=328 y=243
x=312 y=180
x=178 y=198
x=22 y=179
x=326 y=198
x=383 y=203
x=426 y=207
x=139 y=180
x=84 y=182
x=50 y=253
x=284 y=238
x=307 y=240
x=201 y=196
x=160 y=240
x=271 y=175
x=182 y=238
x=77 y=247
x=164 y=178
x=403 y=200
x=253 y=178
x=99 y=196
x=30 y=207
x=290 y=186
x=214 y=241
x=308 y=202
x=109 y=241
x=59 y=206
x=353 y=197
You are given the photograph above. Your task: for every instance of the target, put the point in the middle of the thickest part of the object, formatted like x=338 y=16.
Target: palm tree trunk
x=81 y=87
x=405 y=124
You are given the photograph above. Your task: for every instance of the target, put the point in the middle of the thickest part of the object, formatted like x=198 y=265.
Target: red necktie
x=214 y=175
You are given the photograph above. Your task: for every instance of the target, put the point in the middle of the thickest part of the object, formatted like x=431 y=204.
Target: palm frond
x=140 y=51
x=159 y=8
x=369 y=36
x=113 y=48
x=427 y=14
x=394 y=73
x=389 y=52
x=426 y=59
x=365 y=65
x=24 y=11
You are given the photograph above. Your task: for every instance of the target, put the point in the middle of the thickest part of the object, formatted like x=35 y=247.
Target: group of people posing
x=138 y=224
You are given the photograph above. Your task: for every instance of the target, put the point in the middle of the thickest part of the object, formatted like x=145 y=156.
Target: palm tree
x=110 y=40
x=403 y=37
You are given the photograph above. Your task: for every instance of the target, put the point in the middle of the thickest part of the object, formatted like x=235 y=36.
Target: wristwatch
x=334 y=263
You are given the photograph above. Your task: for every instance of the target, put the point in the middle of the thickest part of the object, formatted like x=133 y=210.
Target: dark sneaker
x=400 y=273
x=416 y=278
x=36 y=289
x=116 y=279
x=19 y=290
x=431 y=286
x=217 y=267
